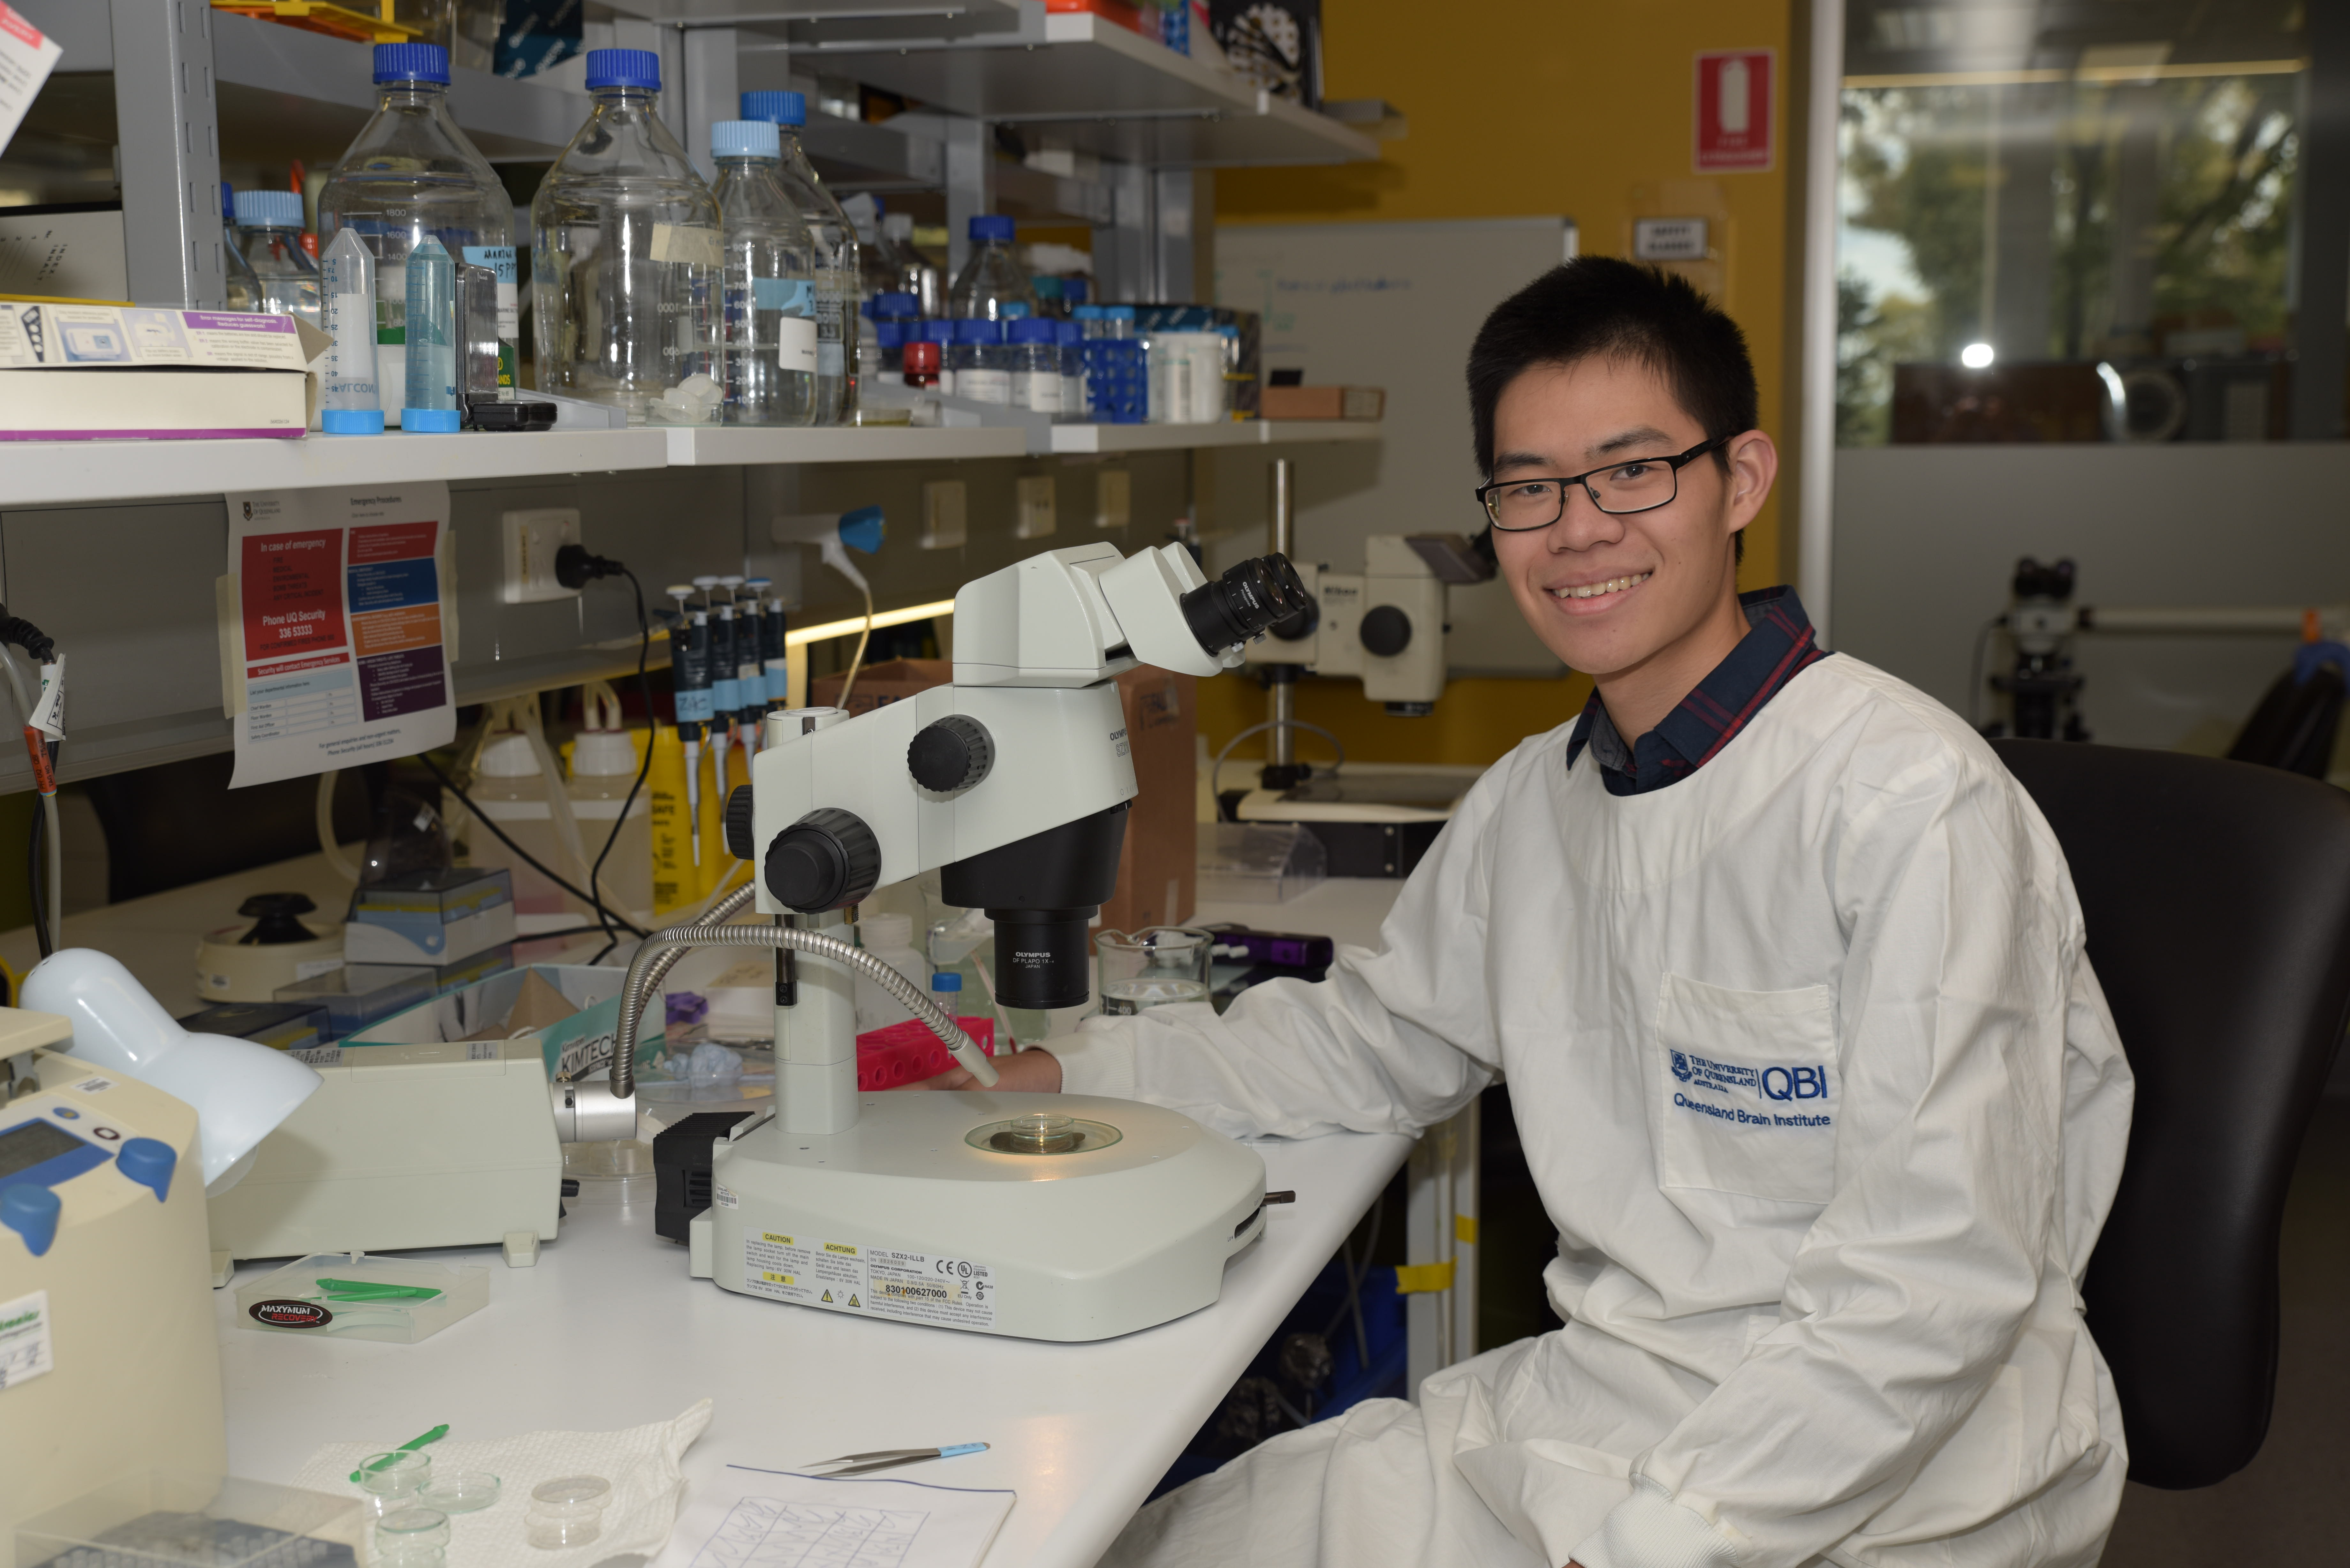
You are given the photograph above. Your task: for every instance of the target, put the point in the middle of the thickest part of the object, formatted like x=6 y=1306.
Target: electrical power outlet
x=944 y=514
x=532 y=539
x=1037 y=515
x=1113 y=498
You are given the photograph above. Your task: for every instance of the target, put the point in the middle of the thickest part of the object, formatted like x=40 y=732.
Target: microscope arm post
x=646 y=968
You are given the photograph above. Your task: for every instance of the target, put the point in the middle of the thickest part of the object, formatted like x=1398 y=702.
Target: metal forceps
x=884 y=1458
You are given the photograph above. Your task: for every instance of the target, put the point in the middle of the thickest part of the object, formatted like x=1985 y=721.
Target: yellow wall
x=1524 y=108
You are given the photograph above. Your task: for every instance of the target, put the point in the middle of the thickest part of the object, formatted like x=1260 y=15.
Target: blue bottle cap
x=351 y=421
x=745 y=139
x=903 y=306
x=1117 y=313
x=411 y=63
x=976 y=330
x=1086 y=313
x=775 y=107
x=623 y=68
x=1068 y=332
x=946 y=980
x=269 y=209
x=938 y=329
x=1035 y=329
x=1076 y=290
x=890 y=333
x=994 y=226
x=433 y=421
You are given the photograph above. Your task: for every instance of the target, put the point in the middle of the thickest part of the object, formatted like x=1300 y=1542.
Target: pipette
x=725 y=683
x=773 y=657
x=689 y=665
x=750 y=675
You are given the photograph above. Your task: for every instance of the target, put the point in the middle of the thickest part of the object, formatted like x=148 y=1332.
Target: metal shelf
x=1102 y=88
x=699 y=446
x=1078 y=438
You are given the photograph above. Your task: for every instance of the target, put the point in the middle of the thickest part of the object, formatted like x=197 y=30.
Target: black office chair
x=2217 y=900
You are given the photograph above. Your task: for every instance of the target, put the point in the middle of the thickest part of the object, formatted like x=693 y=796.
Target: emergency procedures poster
x=337 y=607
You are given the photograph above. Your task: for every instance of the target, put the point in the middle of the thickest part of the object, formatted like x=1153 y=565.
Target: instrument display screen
x=23 y=1147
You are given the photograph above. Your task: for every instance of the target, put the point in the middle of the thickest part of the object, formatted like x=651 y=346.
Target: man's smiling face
x=1616 y=594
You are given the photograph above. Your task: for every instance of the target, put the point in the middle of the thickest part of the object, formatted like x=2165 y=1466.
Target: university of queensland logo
x=1680 y=1067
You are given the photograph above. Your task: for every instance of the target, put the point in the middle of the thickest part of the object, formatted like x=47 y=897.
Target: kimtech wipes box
x=82 y=372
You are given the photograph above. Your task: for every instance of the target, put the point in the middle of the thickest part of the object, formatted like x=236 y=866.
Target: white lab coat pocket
x=1749 y=1090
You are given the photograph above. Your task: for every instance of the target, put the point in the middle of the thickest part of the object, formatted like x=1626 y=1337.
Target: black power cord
x=575 y=567
x=33 y=882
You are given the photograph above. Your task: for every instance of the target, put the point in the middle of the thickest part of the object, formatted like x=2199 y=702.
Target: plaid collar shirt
x=1779 y=642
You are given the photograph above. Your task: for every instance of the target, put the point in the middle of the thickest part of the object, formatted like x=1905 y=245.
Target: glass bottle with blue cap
x=767 y=324
x=626 y=256
x=410 y=173
x=837 y=268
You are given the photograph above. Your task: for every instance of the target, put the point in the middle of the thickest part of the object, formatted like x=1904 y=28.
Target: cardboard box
x=1324 y=402
x=1158 y=872
x=78 y=372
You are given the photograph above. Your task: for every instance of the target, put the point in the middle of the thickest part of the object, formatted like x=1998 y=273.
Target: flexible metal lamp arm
x=661 y=950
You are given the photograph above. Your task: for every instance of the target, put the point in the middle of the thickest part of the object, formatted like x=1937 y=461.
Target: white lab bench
x=608 y=1331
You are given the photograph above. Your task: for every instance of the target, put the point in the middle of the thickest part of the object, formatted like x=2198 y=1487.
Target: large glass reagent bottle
x=410 y=173
x=836 y=267
x=768 y=360
x=285 y=277
x=626 y=254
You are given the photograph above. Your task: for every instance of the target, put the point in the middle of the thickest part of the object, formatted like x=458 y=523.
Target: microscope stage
x=962 y=1210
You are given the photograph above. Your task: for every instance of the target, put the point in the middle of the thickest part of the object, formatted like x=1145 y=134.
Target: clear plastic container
x=626 y=255
x=285 y=278
x=768 y=317
x=410 y=173
x=188 y=1519
x=406 y=1531
x=604 y=764
x=981 y=362
x=911 y=272
x=460 y=1491
x=890 y=938
x=992 y=286
x=348 y=404
x=834 y=239
x=566 y=1512
x=430 y=402
x=1034 y=351
x=511 y=792
x=392 y=1479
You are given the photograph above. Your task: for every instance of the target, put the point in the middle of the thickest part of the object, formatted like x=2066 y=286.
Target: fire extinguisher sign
x=1736 y=89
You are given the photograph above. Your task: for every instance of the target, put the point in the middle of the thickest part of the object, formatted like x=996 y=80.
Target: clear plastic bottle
x=348 y=404
x=510 y=790
x=1034 y=351
x=768 y=325
x=911 y=270
x=604 y=763
x=430 y=404
x=981 y=364
x=626 y=255
x=836 y=265
x=410 y=173
x=992 y=286
x=284 y=274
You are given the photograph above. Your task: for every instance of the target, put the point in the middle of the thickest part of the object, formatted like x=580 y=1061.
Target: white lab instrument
x=1384 y=626
x=434 y=1145
x=1038 y=1216
x=107 y=1365
x=280 y=948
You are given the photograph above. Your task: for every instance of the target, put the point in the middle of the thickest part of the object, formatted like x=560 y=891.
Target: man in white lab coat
x=1786 y=974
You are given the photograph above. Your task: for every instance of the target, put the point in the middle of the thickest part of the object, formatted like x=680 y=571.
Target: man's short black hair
x=1604 y=307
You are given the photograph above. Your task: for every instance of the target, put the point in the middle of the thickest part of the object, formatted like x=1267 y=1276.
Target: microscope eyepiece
x=1243 y=602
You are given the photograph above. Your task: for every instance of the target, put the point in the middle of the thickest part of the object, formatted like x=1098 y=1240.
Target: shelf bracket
x=167 y=126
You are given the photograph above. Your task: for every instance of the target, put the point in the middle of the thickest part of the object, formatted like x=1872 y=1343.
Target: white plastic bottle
x=411 y=172
x=510 y=790
x=890 y=938
x=626 y=256
x=272 y=243
x=1034 y=351
x=604 y=766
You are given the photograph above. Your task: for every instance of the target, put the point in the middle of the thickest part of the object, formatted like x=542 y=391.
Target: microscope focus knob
x=1386 y=631
x=738 y=824
x=826 y=859
x=951 y=755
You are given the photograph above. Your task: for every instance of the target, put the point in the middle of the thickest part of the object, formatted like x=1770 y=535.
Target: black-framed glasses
x=1627 y=484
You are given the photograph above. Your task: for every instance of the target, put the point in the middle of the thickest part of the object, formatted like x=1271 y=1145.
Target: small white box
x=366 y=942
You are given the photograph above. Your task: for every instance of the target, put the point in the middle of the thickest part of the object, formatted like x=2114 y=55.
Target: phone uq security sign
x=1736 y=96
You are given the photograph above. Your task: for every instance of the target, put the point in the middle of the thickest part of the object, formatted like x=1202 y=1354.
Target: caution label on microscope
x=879 y=1282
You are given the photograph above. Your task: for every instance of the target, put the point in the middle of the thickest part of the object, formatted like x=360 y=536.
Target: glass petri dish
x=461 y=1491
x=544 y=1533
x=569 y=1496
x=392 y=1479
x=411 y=1529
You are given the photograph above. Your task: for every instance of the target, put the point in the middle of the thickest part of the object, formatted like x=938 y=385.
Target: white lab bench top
x=608 y=1331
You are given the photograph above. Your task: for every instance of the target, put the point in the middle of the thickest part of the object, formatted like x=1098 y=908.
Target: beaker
x=1151 y=967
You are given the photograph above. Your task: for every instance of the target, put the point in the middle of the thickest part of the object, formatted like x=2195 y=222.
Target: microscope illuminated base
x=927 y=1211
